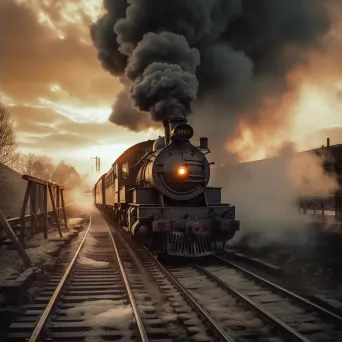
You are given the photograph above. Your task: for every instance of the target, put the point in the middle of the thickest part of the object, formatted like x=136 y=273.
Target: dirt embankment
x=12 y=191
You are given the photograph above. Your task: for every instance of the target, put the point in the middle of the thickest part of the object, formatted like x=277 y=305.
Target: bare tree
x=42 y=166
x=35 y=165
x=67 y=175
x=8 y=144
x=20 y=164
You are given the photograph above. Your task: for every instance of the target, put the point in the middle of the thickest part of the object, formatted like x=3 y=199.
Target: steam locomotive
x=158 y=191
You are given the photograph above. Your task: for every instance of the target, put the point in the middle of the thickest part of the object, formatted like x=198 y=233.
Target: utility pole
x=97 y=163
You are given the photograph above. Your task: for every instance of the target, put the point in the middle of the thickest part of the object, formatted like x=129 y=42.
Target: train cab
x=122 y=175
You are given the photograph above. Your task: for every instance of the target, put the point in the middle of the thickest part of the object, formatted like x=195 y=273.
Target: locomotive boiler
x=158 y=191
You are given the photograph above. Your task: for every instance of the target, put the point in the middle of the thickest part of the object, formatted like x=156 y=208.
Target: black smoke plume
x=123 y=114
x=234 y=51
x=104 y=38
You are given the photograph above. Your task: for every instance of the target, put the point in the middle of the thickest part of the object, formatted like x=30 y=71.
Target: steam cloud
x=266 y=193
x=234 y=52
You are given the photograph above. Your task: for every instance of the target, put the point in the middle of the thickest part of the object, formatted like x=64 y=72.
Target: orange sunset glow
x=305 y=116
x=314 y=116
x=54 y=86
x=60 y=97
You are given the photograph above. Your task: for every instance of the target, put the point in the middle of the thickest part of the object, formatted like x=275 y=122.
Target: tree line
x=40 y=166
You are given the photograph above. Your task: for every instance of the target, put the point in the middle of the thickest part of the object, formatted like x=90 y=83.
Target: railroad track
x=162 y=300
x=82 y=299
x=106 y=291
x=294 y=317
x=113 y=289
x=315 y=321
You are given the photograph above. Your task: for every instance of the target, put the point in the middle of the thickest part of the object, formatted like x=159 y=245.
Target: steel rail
x=282 y=290
x=135 y=309
x=40 y=325
x=220 y=333
x=291 y=333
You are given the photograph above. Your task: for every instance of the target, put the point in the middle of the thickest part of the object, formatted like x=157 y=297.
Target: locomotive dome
x=159 y=143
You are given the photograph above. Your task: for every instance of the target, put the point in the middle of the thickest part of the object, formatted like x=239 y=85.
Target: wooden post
x=39 y=199
x=54 y=211
x=63 y=209
x=45 y=208
x=10 y=233
x=41 y=206
x=37 y=204
x=35 y=213
x=38 y=207
x=57 y=201
x=33 y=209
x=23 y=212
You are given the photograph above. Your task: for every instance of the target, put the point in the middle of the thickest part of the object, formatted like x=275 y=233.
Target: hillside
x=12 y=191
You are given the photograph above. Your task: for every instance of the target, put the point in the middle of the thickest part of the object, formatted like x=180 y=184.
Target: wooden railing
x=30 y=228
x=325 y=206
x=43 y=205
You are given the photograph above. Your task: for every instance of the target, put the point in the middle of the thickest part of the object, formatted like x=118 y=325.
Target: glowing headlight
x=182 y=171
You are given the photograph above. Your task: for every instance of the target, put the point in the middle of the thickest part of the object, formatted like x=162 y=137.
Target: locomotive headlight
x=182 y=171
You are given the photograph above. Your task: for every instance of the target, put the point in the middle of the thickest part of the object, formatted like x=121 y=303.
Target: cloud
x=58 y=95
x=34 y=57
x=61 y=97
x=41 y=128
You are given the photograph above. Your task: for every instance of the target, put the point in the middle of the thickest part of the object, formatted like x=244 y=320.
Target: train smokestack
x=166 y=132
x=176 y=121
x=328 y=142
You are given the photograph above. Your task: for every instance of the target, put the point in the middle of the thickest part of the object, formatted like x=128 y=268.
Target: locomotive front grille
x=179 y=244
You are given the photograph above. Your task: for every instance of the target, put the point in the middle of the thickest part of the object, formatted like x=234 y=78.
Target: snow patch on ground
x=104 y=314
x=75 y=221
x=92 y=263
x=92 y=246
x=169 y=317
x=91 y=243
x=39 y=250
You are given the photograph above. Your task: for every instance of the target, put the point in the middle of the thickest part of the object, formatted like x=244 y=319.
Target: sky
x=60 y=97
